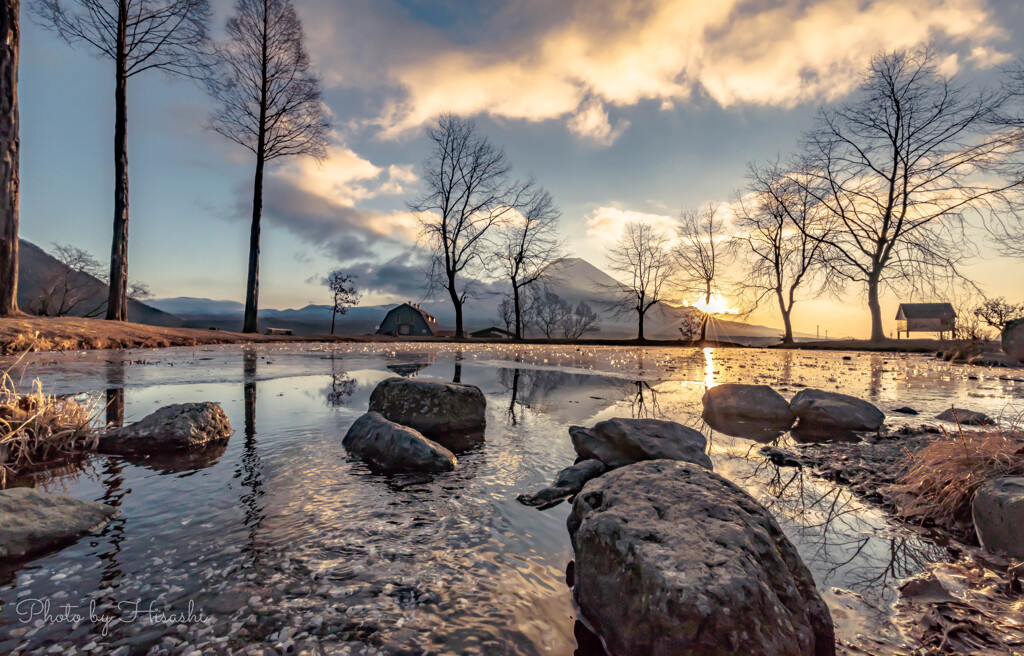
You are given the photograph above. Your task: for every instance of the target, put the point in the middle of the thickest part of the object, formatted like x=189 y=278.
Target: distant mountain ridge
x=574 y=279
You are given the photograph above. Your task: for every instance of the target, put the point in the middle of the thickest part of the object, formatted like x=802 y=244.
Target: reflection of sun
x=709 y=368
x=717 y=305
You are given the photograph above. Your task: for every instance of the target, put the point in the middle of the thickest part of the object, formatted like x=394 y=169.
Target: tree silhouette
x=902 y=168
x=10 y=40
x=642 y=258
x=270 y=103
x=699 y=256
x=469 y=192
x=343 y=293
x=138 y=35
x=528 y=246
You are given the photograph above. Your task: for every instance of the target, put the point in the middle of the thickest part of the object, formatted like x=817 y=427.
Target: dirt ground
x=72 y=334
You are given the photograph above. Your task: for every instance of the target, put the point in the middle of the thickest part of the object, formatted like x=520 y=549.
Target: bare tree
x=343 y=293
x=899 y=170
x=579 y=321
x=469 y=192
x=507 y=313
x=549 y=312
x=781 y=230
x=997 y=312
x=72 y=286
x=528 y=247
x=138 y=35
x=138 y=291
x=10 y=40
x=700 y=254
x=270 y=103
x=644 y=262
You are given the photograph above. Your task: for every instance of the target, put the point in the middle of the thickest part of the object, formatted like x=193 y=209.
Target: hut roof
x=925 y=311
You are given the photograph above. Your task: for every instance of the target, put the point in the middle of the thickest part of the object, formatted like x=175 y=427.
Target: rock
x=33 y=522
x=964 y=351
x=994 y=360
x=178 y=426
x=568 y=483
x=390 y=447
x=1013 y=339
x=619 y=442
x=674 y=559
x=906 y=410
x=966 y=417
x=438 y=410
x=998 y=511
x=780 y=458
x=737 y=409
x=828 y=411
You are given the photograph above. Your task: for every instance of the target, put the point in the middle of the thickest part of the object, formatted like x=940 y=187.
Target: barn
x=925 y=318
x=408 y=319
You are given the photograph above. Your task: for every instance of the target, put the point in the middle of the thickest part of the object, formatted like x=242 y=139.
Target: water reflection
x=250 y=467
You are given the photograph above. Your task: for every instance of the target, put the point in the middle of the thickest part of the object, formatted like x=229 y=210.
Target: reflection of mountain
x=569 y=397
x=574 y=280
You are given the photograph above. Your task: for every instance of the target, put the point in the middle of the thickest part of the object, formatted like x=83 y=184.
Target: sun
x=717 y=305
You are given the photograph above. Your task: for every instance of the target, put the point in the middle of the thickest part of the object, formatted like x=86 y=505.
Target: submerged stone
x=33 y=522
x=672 y=559
x=567 y=484
x=965 y=417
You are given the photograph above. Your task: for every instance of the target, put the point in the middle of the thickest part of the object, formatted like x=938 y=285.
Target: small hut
x=408 y=320
x=925 y=318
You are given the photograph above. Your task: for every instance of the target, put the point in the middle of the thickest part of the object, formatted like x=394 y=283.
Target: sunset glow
x=718 y=305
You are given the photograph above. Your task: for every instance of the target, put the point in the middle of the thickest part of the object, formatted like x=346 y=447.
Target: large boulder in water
x=1013 y=339
x=619 y=442
x=965 y=417
x=171 y=428
x=33 y=522
x=390 y=447
x=746 y=410
x=998 y=512
x=436 y=409
x=673 y=559
x=819 y=411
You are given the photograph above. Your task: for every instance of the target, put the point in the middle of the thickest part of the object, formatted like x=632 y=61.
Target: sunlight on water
x=449 y=564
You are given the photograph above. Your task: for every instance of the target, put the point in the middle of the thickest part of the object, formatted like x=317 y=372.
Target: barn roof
x=925 y=311
x=415 y=308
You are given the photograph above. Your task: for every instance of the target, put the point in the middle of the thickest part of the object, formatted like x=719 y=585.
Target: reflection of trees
x=115 y=393
x=877 y=369
x=114 y=491
x=514 y=394
x=250 y=470
x=530 y=387
x=341 y=388
x=835 y=534
x=644 y=403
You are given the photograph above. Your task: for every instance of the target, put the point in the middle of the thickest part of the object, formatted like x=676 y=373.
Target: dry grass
x=36 y=428
x=941 y=479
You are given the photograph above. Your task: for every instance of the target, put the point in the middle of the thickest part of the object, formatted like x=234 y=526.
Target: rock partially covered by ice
x=998 y=511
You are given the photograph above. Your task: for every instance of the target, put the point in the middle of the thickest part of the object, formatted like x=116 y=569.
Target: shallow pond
x=279 y=539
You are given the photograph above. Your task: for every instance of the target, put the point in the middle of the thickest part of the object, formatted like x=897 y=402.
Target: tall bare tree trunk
x=117 y=301
x=877 y=331
x=457 y=302
x=252 y=288
x=334 y=314
x=519 y=312
x=640 y=325
x=10 y=37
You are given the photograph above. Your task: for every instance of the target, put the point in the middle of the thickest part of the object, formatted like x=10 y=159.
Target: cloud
x=605 y=224
x=575 y=61
x=402 y=276
x=591 y=122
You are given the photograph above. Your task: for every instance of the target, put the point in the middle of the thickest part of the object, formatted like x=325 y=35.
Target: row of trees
x=881 y=196
x=548 y=313
x=268 y=101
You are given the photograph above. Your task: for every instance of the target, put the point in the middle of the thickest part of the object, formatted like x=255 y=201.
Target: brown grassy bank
x=886 y=346
x=20 y=334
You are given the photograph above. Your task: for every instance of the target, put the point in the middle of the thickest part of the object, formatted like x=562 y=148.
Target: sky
x=622 y=108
